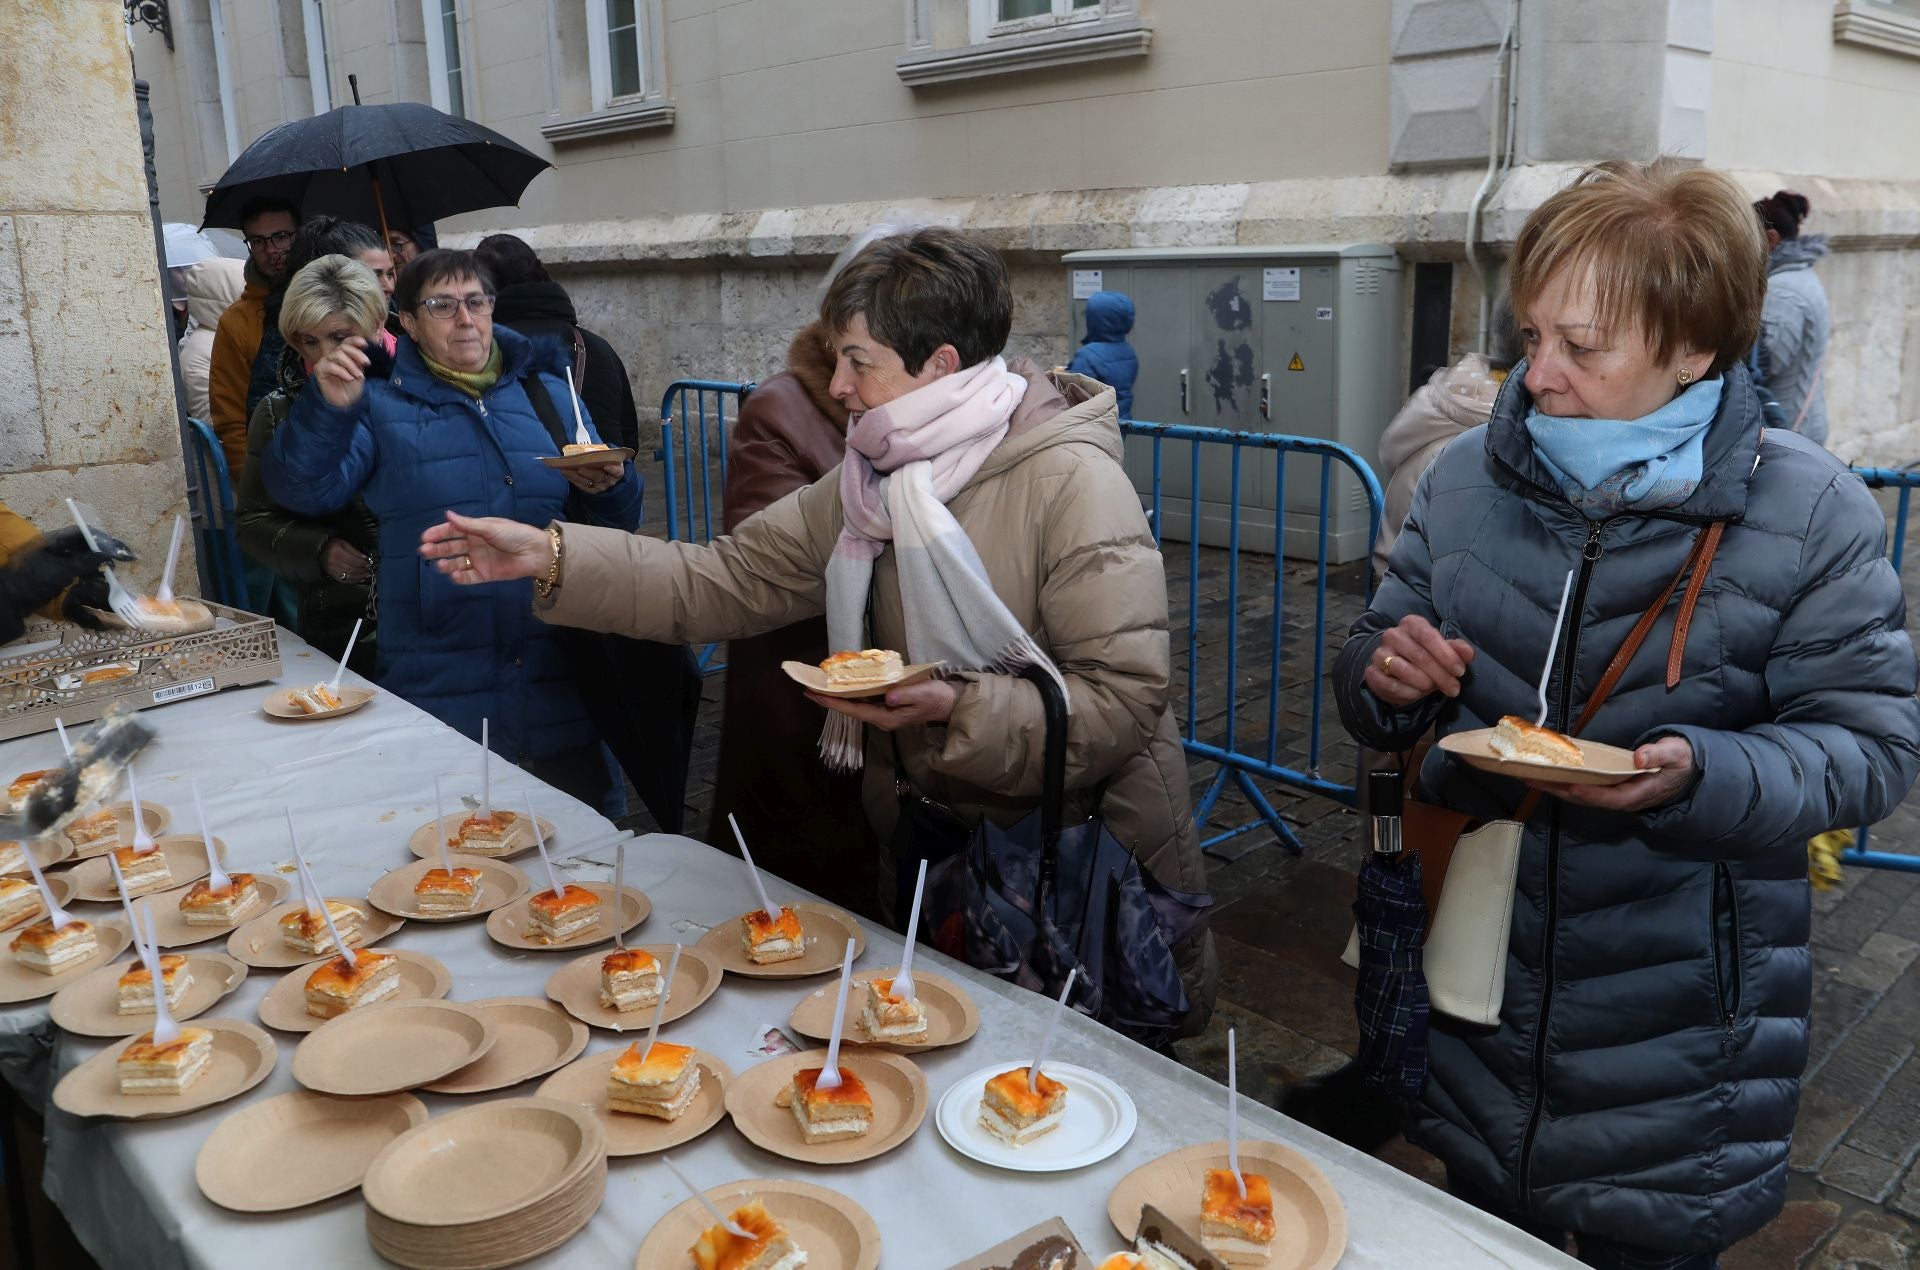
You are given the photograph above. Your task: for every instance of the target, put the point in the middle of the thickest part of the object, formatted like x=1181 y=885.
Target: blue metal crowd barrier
x=1903 y=482
x=693 y=464
x=216 y=537
x=1239 y=764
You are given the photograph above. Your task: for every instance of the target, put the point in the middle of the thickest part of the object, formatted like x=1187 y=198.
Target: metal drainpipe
x=1500 y=110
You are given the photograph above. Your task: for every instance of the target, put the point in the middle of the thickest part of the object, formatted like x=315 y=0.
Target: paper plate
x=512 y=926
x=18 y=983
x=836 y=1232
x=1606 y=764
x=90 y=1006
x=1100 y=1120
x=533 y=1037
x=814 y=679
x=900 y=1102
x=423 y=846
x=500 y=885
x=390 y=1046
x=824 y=928
x=172 y=930
x=584 y=1081
x=280 y=705
x=243 y=1056
x=257 y=941
x=47 y=851
x=194 y=618
x=484 y=1162
x=284 y=1008
x=589 y=458
x=1310 y=1222
x=952 y=1017
x=186 y=861
x=157 y=818
x=299 y=1148
x=62 y=887
x=576 y=986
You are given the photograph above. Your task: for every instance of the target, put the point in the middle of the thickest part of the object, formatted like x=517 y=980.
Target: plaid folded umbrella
x=1391 y=995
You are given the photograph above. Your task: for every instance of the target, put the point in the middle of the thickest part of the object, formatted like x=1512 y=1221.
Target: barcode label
x=177 y=691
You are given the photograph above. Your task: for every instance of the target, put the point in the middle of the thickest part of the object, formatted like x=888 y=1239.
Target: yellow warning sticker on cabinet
x=1296 y=363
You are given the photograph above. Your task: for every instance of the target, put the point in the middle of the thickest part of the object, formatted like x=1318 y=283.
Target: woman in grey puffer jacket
x=1796 y=323
x=1640 y=1090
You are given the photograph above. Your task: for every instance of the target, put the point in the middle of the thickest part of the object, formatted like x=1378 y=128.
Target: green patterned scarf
x=470 y=382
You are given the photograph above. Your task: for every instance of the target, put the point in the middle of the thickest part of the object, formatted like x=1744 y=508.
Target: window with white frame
x=1008 y=36
x=620 y=36
x=446 y=68
x=314 y=24
x=626 y=68
x=1034 y=14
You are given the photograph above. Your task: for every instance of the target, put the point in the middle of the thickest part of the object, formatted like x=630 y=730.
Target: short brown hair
x=923 y=289
x=430 y=268
x=1675 y=251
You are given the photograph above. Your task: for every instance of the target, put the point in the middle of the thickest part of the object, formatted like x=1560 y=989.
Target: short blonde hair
x=1674 y=251
x=333 y=285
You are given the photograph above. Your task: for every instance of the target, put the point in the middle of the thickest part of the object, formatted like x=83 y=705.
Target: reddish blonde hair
x=1673 y=251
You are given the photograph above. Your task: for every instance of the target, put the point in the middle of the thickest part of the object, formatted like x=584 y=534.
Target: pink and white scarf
x=905 y=461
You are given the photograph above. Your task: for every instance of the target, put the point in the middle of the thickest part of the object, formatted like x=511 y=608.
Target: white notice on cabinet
x=1280 y=284
x=1085 y=283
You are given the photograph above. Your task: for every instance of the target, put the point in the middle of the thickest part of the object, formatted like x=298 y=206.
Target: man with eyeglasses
x=268 y=225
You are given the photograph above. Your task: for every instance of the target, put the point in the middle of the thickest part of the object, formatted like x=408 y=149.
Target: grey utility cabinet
x=1302 y=340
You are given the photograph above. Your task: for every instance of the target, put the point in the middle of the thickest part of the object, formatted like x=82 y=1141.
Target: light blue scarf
x=1606 y=466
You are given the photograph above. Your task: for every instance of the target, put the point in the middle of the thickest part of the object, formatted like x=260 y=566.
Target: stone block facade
x=86 y=387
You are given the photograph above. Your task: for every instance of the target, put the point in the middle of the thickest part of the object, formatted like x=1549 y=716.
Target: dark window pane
x=1014 y=10
x=1086 y=4
x=619 y=14
x=456 y=94
x=623 y=65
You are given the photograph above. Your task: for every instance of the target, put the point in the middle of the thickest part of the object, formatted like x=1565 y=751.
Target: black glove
x=42 y=569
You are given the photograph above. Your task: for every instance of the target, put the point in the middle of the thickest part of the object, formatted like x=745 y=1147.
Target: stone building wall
x=86 y=389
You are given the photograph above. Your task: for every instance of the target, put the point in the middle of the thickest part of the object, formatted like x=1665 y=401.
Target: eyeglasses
x=276 y=241
x=445 y=306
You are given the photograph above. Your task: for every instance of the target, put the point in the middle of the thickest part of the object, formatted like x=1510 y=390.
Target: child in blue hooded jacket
x=1105 y=354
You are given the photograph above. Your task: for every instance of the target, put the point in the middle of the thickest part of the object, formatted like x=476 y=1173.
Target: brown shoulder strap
x=1698 y=561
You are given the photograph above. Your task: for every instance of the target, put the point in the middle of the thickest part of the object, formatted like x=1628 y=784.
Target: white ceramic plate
x=1100 y=1120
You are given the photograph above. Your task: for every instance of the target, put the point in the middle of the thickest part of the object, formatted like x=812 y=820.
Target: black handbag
x=643 y=696
x=1037 y=900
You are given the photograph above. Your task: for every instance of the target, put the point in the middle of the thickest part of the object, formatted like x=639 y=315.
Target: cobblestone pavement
x=1281 y=919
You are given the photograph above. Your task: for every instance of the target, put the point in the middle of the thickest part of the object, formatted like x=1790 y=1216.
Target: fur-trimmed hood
x=810 y=360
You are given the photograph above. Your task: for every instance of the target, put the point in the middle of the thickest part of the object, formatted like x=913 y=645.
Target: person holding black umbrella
x=454 y=425
x=268 y=223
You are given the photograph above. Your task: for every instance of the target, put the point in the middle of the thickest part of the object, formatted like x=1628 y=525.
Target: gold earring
x=1686 y=376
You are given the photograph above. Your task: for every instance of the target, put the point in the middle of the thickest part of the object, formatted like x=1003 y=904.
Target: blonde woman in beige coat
x=1027 y=466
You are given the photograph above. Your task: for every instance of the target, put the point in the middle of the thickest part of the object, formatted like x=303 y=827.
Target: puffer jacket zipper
x=1725 y=907
x=1589 y=556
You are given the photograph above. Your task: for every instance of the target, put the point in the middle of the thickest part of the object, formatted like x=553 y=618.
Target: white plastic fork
x=142 y=840
x=165 y=593
x=119 y=599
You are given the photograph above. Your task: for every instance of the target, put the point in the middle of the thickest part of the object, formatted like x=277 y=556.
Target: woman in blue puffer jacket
x=1104 y=353
x=452 y=426
x=1639 y=1091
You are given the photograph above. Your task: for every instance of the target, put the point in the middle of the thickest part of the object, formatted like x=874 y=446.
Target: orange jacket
x=235 y=344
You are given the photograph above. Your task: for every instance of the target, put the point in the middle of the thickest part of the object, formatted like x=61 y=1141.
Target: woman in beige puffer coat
x=211 y=286
x=1059 y=528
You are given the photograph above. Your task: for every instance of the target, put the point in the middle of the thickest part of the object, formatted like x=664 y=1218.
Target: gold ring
x=1386 y=667
x=466 y=562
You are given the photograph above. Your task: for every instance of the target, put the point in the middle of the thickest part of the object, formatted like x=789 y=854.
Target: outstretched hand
x=473 y=549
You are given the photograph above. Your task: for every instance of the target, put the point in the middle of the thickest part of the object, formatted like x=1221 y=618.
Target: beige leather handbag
x=1467 y=872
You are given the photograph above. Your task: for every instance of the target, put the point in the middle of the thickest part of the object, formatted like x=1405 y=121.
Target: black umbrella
x=400 y=164
x=1390 y=915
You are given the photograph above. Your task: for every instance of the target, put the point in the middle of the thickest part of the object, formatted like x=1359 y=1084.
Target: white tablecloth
x=360 y=786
